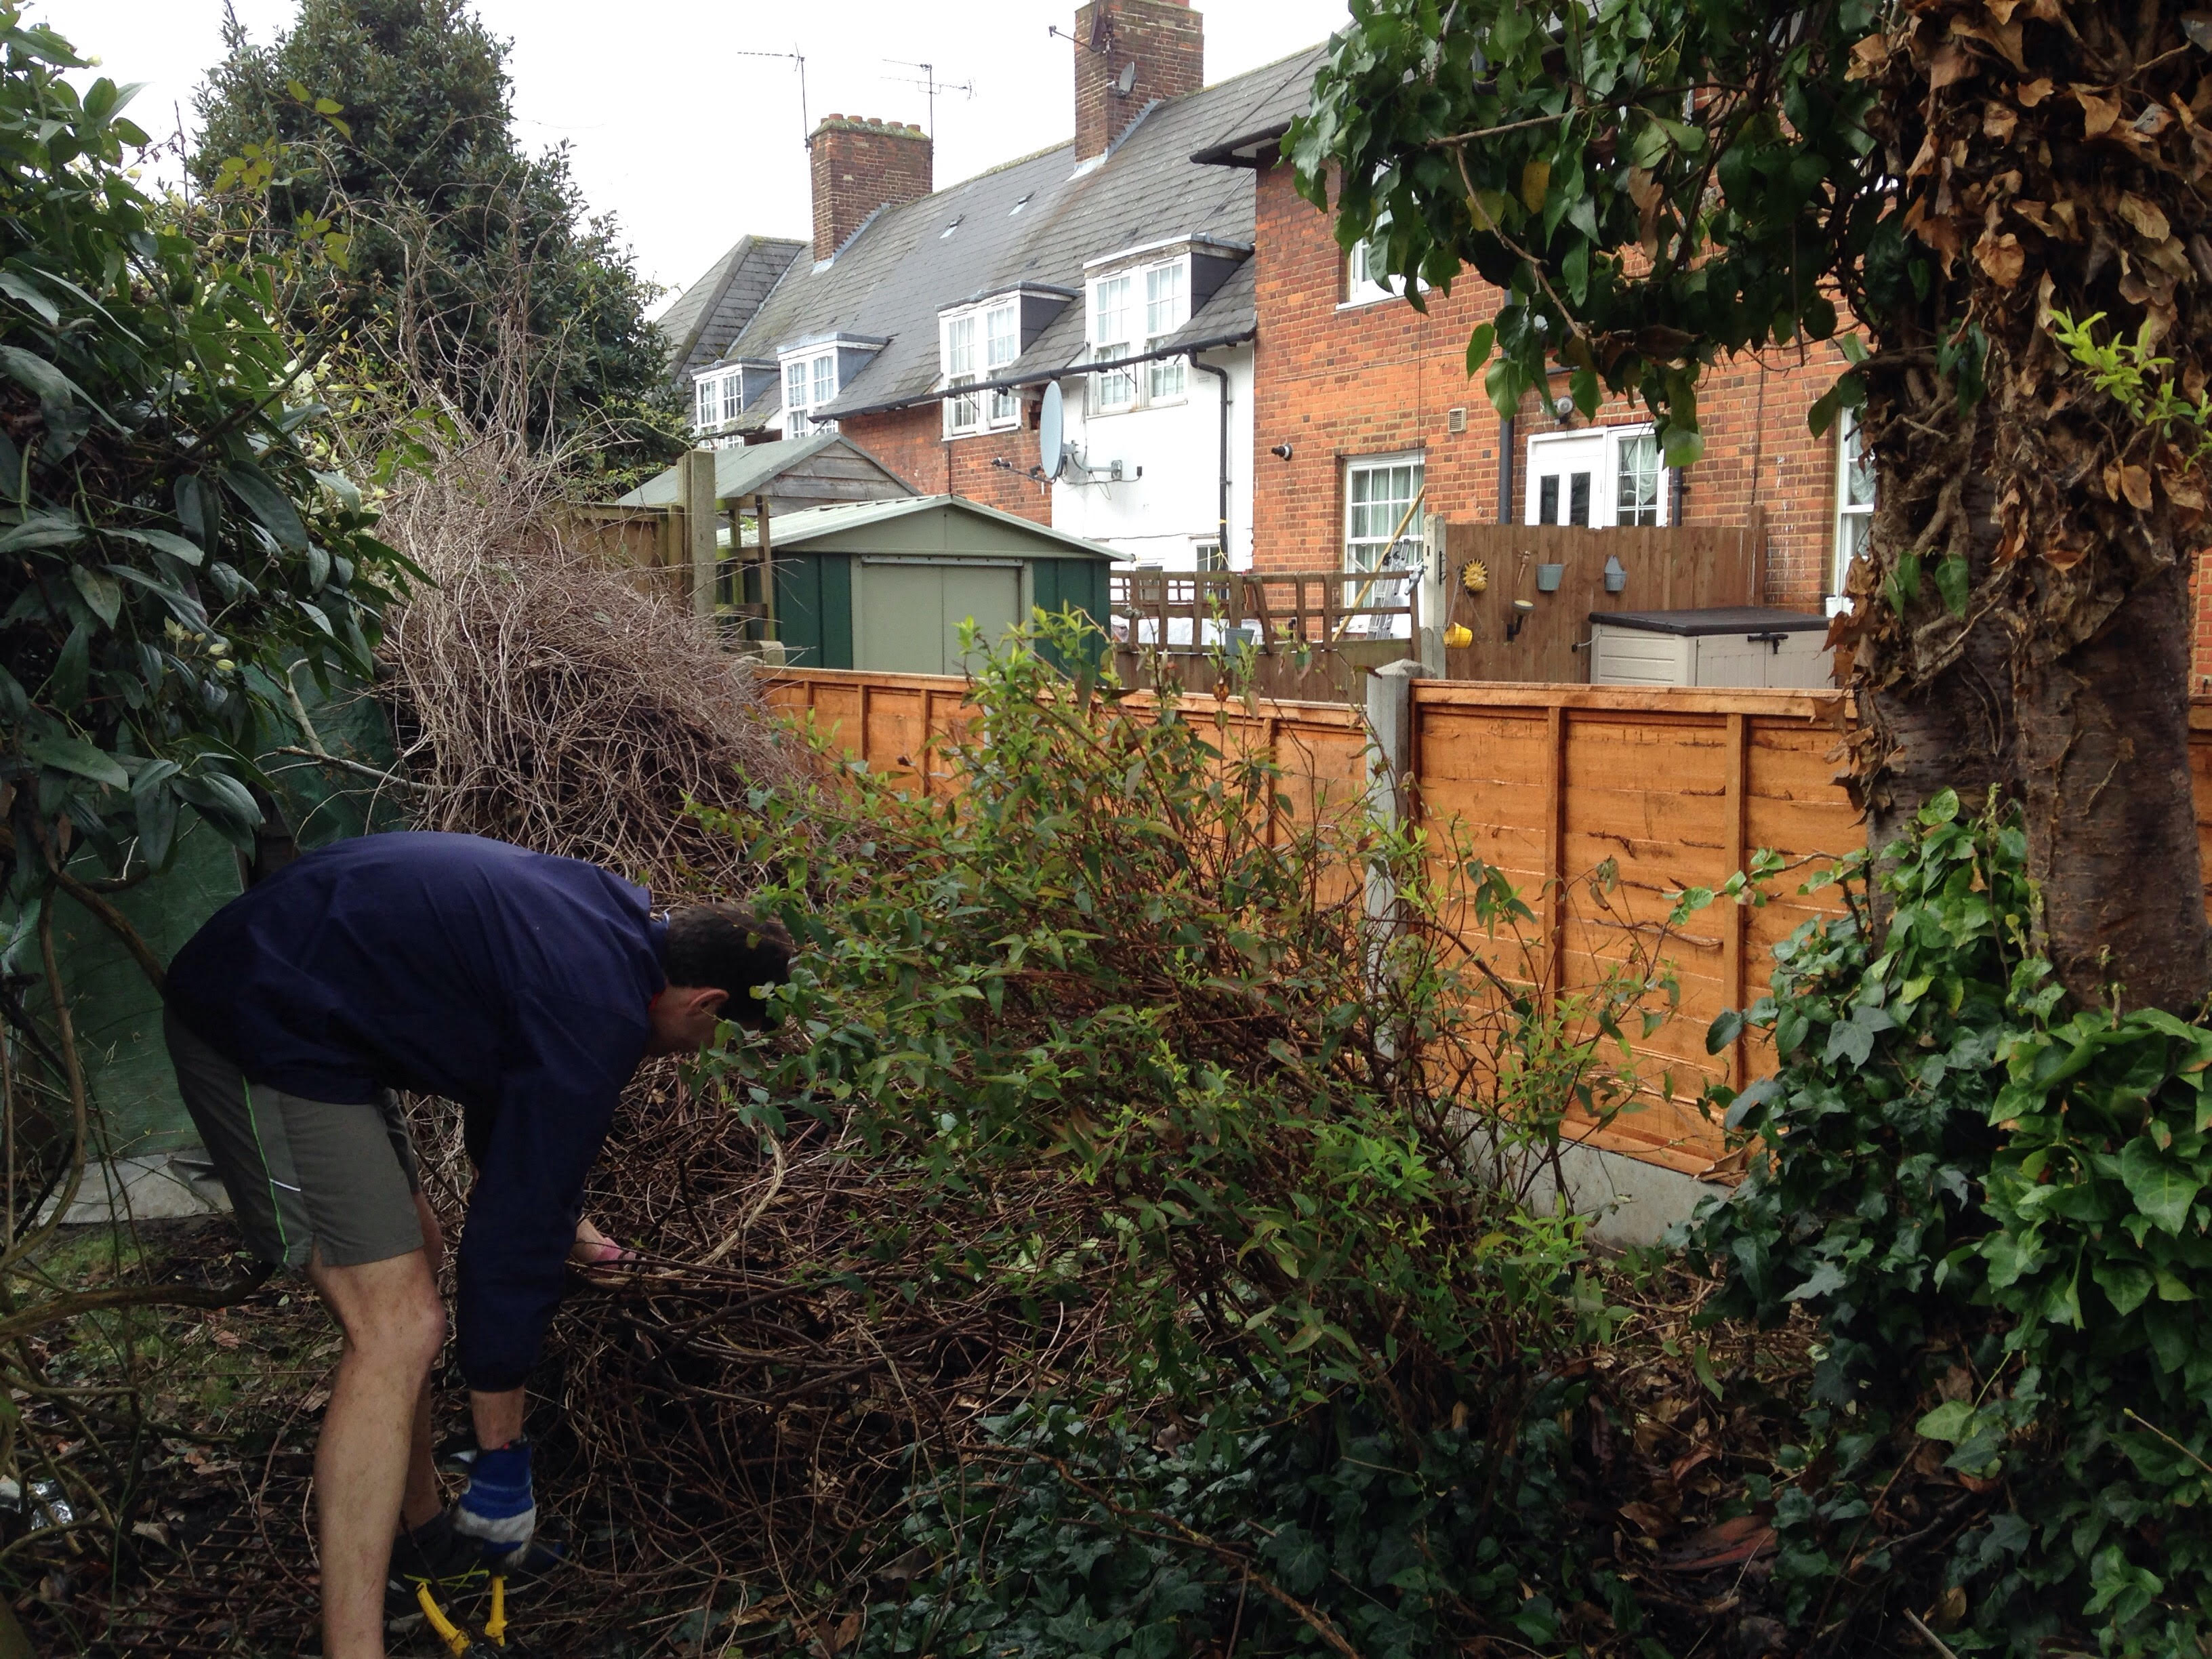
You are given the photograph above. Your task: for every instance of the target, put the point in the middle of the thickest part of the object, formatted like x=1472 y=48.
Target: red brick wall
x=1375 y=379
x=911 y=442
x=1164 y=39
x=857 y=165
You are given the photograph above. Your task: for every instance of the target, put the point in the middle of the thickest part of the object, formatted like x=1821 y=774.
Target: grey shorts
x=306 y=1177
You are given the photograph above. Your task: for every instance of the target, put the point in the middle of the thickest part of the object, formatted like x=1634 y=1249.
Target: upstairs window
x=734 y=395
x=809 y=384
x=1002 y=343
x=1854 y=499
x=956 y=351
x=1113 y=335
x=1365 y=280
x=1167 y=308
x=707 y=402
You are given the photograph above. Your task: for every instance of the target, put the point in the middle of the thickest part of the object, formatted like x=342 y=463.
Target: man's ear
x=709 y=999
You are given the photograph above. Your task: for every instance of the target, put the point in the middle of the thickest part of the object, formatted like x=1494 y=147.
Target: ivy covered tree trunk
x=2024 y=616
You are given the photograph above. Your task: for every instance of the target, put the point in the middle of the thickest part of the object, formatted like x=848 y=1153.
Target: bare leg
x=424 y=1497
x=394 y=1323
x=593 y=1247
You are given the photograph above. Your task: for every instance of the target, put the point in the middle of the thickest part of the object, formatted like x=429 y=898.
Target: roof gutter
x=1039 y=376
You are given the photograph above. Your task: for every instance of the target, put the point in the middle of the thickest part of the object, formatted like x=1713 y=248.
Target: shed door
x=910 y=614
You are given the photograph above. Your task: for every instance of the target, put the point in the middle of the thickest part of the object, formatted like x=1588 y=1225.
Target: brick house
x=926 y=324
x=1361 y=402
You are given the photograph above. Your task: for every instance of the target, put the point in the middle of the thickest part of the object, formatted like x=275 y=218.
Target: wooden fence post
x=1389 y=789
x=1734 y=921
x=1555 y=849
x=695 y=488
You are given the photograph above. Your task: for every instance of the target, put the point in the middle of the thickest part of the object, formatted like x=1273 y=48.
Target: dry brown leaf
x=2185 y=490
x=2063 y=557
x=2001 y=258
x=2110 y=479
x=2147 y=218
x=1998 y=120
x=1645 y=1519
x=2098 y=114
x=2003 y=10
x=2134 y=484
x=1949 y=64
x=1868 y=57
x=2033 y=93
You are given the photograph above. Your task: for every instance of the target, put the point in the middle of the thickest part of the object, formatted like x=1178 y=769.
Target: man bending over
x=526 y=989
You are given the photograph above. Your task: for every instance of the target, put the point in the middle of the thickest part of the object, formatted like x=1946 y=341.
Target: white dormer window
x=957 y=352
x=810 y=382
x=1113 y=336
x=1002 y=343
x=708 y=402
x=1134 y=311
x=734 y=395
x=1167 y=308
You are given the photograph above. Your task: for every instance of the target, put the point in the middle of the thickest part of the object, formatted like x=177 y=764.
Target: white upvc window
x=1854 y=500
x=1596 y=477
x=809 y=383
x=1113 y=335
x=1167 y=308
x=1382 y=529
x=707 y=402
x=1002 y=343
x=1365 y=279
x=734 y=395
x=956 y=349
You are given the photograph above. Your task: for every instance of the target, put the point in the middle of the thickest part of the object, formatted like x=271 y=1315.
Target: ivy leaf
x=1952 y=583
x=2128 y=1283
x=2162 y=1188
x=1825 y=1280
x=1947 y=1422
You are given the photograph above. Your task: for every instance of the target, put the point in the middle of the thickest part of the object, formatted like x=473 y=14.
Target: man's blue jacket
x=511 y=983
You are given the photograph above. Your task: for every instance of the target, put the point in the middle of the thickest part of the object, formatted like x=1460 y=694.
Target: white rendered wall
x=1160 y=517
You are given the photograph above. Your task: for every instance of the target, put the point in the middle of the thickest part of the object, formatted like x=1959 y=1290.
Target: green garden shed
x=884 y=585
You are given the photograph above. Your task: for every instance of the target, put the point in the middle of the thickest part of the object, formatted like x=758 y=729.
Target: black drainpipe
x=1505 y=469
x=1222 y=375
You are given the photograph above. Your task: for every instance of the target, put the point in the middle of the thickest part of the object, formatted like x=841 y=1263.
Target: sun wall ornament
x=1474 y=576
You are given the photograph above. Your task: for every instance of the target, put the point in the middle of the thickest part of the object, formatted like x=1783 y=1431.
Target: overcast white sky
x=691 y=142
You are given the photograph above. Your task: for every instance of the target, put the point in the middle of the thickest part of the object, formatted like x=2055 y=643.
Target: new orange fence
x=1678 y=788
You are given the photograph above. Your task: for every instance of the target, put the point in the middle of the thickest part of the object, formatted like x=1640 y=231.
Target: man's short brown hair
x=731 y=949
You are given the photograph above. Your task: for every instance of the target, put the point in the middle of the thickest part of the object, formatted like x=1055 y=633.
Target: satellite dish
x=1052 y=433
x=1126 y=82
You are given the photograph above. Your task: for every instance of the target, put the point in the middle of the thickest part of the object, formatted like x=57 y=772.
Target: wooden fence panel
x=1668 y=567
x=1678 y=788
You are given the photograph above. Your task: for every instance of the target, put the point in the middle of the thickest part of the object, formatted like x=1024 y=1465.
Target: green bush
x=1995 y=1209
x=1260 y=1104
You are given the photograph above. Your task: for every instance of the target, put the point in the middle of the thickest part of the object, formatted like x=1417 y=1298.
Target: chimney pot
x=858 y=165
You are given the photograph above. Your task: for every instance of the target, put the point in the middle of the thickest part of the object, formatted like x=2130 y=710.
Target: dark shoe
x=435 y=1555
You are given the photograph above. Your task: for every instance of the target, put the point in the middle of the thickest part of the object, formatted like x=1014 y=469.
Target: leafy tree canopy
x=170 y=516
x=472 y=263
x=1653 y=183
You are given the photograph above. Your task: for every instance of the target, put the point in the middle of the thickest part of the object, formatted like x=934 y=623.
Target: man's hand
x=498 y=1510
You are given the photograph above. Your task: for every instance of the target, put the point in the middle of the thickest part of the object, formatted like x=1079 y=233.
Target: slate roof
x=701 y=321
x=795 y=529
x=746 y=469
x=1254 y=139
x=1036 y=220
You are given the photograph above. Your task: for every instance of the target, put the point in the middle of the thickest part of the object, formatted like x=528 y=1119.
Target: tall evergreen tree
x=473 y=261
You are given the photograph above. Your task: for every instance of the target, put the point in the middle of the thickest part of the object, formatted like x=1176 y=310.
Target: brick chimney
x=861 y=165
x=1163 y=39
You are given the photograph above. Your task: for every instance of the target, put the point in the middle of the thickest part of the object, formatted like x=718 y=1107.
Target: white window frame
x=1365 y=553
x=1845 y=541
x=706 y=399
x=1002 y=345
x=804 y=371
x=956 y=356
x=1167 y=308
x=1117 y=389
x=734 y=395
x=1362 y=287
x=1605 y=482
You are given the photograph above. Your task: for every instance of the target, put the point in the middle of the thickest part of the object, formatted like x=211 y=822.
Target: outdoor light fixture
x=1281 y=452
x=1521 y=608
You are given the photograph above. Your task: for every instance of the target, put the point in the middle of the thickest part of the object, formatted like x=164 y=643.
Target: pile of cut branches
x=545 y=698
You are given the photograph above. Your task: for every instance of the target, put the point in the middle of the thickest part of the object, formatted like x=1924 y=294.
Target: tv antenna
x=930 y=84
x=797 y=60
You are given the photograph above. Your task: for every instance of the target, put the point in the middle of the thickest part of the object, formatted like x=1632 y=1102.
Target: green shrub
x=1259 y=1104
x=1994 y=1207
